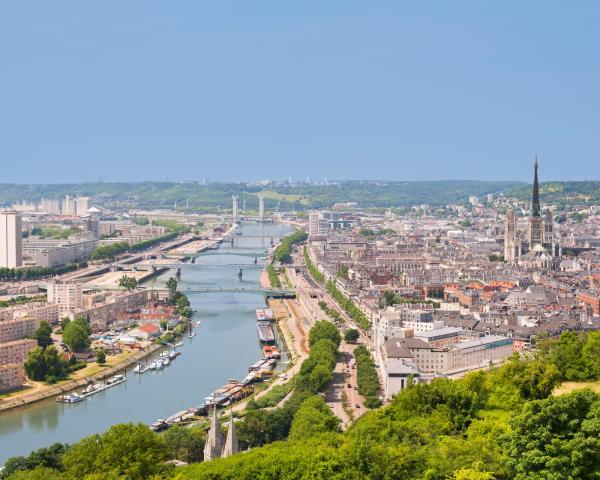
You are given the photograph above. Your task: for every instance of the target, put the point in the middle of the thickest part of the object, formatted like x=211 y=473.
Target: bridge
x=268 y=292
x=181 y=265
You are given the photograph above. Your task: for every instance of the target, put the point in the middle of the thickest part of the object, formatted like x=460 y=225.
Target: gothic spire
x=214 y=441
x=231 y=442
x=535 y=197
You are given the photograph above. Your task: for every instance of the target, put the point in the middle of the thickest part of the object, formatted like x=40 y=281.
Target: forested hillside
x=563 y=193
x=217 y=196
x=503 y=424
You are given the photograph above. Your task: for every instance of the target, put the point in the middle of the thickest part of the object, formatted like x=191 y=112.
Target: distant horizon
x=294 y=180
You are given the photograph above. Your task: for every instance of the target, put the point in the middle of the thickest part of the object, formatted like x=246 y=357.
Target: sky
x=400 y=90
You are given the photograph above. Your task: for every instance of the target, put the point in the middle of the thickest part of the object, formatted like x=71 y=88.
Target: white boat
x=197 y=323
x=91 y=388
x=152 y=366
x=172 y=355
x=138 y=368
x=192 y=335
x=159 y=364
x=72 y=398
x=115 y=379
x=166 y=361
x=178 y=344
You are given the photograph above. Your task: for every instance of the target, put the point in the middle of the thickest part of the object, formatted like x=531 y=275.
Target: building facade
x=11 y=251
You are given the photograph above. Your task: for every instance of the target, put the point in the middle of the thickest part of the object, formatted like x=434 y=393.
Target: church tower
x=535 y=217
x=232 y=445
x=214 y=441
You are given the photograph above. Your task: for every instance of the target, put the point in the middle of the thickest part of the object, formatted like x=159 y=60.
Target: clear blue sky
x=128 y=90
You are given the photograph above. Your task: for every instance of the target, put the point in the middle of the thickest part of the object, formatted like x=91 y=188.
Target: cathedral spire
x=232 y=445
x=535 y=197
x=213 y=448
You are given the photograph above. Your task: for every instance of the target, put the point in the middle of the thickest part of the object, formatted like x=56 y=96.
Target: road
x=345 y=401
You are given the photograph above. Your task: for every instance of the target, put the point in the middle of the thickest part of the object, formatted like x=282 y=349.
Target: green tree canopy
x=77 y=335
x=43 y=334
x=127 y=450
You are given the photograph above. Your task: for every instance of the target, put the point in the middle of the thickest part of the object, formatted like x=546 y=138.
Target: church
x=538 y=247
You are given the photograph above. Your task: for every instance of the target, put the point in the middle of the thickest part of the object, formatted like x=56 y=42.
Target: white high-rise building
x=68 y=207
x=11 y=243
x=83 y=205
x=68 y=296
x=50 y=205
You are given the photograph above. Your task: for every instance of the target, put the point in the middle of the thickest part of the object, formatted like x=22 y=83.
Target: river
x=225 y=345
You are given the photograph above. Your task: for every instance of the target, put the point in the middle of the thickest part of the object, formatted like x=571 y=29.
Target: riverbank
x=55 y=390
x=224 y=347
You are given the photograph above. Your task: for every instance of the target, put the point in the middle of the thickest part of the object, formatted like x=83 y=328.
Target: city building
x=539 y=247
x=68 y=206
x=82 y=206
x=12 y=376
x=68 y=296
x=16 y=351
x=11 y=252
x=18 y=329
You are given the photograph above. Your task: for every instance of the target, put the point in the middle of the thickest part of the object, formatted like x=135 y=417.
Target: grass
x=567 y=387
x=285 y=197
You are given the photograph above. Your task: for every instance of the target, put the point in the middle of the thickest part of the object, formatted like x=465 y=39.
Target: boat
x=197 y=323
x=92 y=388
x=138 y=368
x=152 y=366
x=173 y=355
x=265 y=332
x=72 y=398
x=159 y=364
x=166 y=362
x=178 y=344
x=192 y=335
x=115 y=379
x=159 y=425
x=271 y=351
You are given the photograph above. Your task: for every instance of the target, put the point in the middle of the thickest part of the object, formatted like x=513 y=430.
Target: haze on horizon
x=345 y=90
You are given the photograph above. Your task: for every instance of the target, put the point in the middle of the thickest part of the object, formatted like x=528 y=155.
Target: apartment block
x=17 y=329
x=68 y=296
x=40 y=311
x=11 y=253
x=11 y=376
x=16 y=351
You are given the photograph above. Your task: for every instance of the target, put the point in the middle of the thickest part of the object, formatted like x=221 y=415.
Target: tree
x=185 y=444
x=77 y=336
x=55 y=366
x=43 y=459
x=591 y=354
x=38 y=473
x=351 y=335
x=324 y=329
x=126 y=450
x=43 y=334
x=129 y=283
x=35 y=366
x=101 y=356
x=389 y=298
x=64 y=322
x=556 y=438
x=312 y=418
x=172 y=285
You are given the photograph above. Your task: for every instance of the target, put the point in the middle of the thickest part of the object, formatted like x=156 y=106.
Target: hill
x=217 y=196
x=563 y=193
